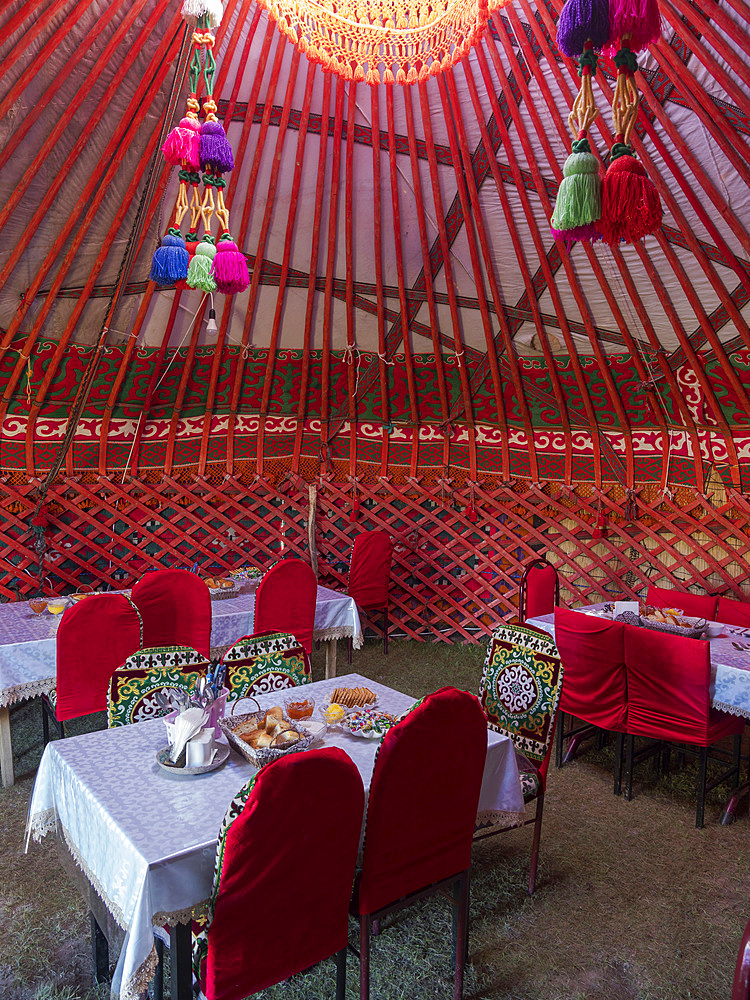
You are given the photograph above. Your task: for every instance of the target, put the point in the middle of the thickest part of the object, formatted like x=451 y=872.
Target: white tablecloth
x=730 y=666
x=28 y=642
x=146 y=839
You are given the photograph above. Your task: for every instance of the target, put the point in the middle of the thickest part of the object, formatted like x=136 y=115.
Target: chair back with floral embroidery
x=176 y=608
x=93 y=638
x=264 y=662
x=285 y=865
x=520 y=689
x=138 y=686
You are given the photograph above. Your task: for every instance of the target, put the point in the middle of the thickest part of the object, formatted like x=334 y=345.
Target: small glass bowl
x=56 y=605
x=298 y=707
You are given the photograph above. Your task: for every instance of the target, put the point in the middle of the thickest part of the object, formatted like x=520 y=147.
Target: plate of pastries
x=221 y=587
x=263 y=736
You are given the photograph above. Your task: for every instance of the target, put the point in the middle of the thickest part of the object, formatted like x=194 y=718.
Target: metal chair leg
x=535 y=843
x=385 y=633
x=349 y=650
x=560 y=739
x=701 y=787
x=619 y=743
x=341 y=974
x=45 y=723
x=364 y=956
x=180 y=961
x=629 y=742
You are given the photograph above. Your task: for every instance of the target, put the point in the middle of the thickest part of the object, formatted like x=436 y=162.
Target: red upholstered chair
x=94 y=637
x=669 y=678
x=694 y=605
x=175 y=605
x=370 y=576
x=540 y=590
x=733 y=612
x=285 y=865
x=421 y=812
x=741 y=987
x=285 y=601
x=519 y=692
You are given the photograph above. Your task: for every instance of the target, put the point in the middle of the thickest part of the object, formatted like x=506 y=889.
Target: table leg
x=180 y=956
x=331 y=648
x=99 y=952
x=6 y=748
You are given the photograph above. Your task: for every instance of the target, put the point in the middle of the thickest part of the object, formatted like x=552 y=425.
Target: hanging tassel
x=581 y=21
x=199 y=272
x=354 y=513
x=638 y=21
x=170 y=262
x=212 y=9
x=471 y=513
x=578 y=202
x=598 y=531
x=215 y=151
x=182 y=145
x=229 y=267
x=631 y=207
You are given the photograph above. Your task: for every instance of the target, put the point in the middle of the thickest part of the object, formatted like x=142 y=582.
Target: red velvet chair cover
x=423 y=799
x=94 y=637
x=694 y=605
x=370 y=570
x=741 y=986
x=284 y=873
x=285 y=601
x=733 y=612
x=592 y=651
x=540 y=590
x=175 y=605
x=668 y=689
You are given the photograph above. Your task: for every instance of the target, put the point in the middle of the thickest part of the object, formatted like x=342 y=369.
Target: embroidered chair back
x=520 y=689
x=93 y=639
x=285 y=865
x=269 y=661
x=592 y=651
x=285 y=601
x=424 y=793
x=370 y=570
x=540 y=590
x=694 y=605
x=135 y=686
x=175 y=605
x=733 y=612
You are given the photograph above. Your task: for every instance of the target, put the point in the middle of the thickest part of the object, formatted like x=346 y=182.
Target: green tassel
x=579 y=198
x=199 y=273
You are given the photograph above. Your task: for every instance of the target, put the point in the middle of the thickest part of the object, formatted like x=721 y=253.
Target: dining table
x=28 y=647
x=145 y=838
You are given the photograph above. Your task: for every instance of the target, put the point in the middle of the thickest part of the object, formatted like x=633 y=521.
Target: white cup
x=198 y=751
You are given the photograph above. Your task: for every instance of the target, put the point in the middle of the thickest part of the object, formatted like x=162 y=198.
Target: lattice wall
x=460 y=548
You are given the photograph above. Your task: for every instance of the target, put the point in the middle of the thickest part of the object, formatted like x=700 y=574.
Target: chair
x=134 y=686
x=370 y=575
x=733 y=612
x=94 y=637
x=421 y=812
x=741 y=987
x=519 y=692
x=540 y=590
x=668 y=699
x=269 y=661
x=285 y=865
x=285 y=601
x=175 y=605
x=694 y=605
x=592 y=651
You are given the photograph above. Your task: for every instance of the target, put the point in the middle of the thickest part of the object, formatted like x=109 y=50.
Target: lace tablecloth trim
x=93 y=880
x=489 y=818
x=137 y=985
x=731 y=709
x=22 y=692
x=342 y=632
x=162 y=919
x=42 y=824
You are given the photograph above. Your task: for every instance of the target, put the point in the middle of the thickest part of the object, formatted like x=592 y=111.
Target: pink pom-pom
x=229 y=268
x=182 y=145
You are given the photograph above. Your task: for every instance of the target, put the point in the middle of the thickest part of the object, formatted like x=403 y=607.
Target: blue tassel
x=170 y=263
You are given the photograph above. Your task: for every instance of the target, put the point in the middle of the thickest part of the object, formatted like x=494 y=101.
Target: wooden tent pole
x=350 y=356
x=378 y=252
x=36 y=29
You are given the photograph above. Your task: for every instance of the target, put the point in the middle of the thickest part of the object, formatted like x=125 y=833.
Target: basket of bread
x=221 y=587
x=262 y=737
x=669 y=620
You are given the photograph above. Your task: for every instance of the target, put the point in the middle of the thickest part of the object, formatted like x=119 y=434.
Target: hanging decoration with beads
x=623 y=204
x=203 y=154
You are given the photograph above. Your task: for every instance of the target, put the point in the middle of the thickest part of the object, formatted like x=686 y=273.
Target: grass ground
x=632 y=902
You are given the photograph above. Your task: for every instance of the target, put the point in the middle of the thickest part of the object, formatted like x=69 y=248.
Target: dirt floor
x=632 y=902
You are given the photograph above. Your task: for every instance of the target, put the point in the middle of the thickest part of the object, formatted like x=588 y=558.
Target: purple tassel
x=216 y=153
x=182 y=144
x=579 y=234
x=581 y=21
x=230 y=268
x=637 y=20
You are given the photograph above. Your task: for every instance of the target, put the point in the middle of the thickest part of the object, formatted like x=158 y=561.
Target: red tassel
x=471 y=514
x=631 y=207
x=354 y=513
x=598 y=531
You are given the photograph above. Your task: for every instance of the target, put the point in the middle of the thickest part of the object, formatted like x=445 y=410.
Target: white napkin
x=184 y=727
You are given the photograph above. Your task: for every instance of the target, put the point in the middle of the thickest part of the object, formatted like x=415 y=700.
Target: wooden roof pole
x=726 y=23
x=462 y=168
x=38 y=27
x=240 y=234
x=458 y=345
x=543 y=259
x=350 y=357
x=313 y=271
x=401 y=280
x=478 y=218
x=378 y=253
